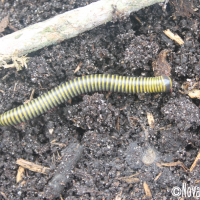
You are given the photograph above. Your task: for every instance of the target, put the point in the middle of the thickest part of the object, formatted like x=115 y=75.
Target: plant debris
x=174 y=37
x=192 y=88
x=195 y=162
x=20 y=174
x=18 y=62
x=184 y=8
x=113 y=128
x=147 y=190
x=160 y=65
x=4 y=23
x=32 y=166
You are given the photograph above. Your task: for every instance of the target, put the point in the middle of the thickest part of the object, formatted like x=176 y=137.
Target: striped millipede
x=81 y=85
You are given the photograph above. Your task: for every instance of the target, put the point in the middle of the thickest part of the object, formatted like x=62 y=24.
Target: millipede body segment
x=81 y=85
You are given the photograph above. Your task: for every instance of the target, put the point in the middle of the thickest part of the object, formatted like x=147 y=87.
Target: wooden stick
x=32 y=166
x=65 y=26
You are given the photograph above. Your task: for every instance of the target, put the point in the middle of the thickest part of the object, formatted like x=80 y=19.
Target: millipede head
x=168 y=83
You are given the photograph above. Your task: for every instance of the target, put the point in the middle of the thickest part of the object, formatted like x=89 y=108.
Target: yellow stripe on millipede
x=24 y=112
x=155 y=85
x=92 y=82
x=116 y=83
x=141 y=84
x=158 y=86
x=76 y=85
x=45 y=102
x=112 y=81
x=119 y=83
x=49 y=101
x=144 y=84
x=80 y=84
x=37 y=101
x=2 y=122
x=73 y=89
x=8 y=118
x=62 y=93
x=20 y=112
x=126 y=84
x=68 y=89
x=103 y=82
x=137 y=85
x=15 y=115
x=27 y=110
x=100 y=81
x=107 y=82
x=160 y=81
x=130 y=85
x=5 y=118
x=134 y=84
x=95 y=81
x=123 y=84
x=88 y=83
x=35 y=107
x=32 y=110
x=150 y=85
x=147 y=84
x=84 y=84
x=58 y=95
x=51 y=96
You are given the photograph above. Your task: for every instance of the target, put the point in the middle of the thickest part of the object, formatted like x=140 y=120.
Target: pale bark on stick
x=65 y=26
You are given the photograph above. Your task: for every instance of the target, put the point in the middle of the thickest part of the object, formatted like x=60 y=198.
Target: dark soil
x=112 y=128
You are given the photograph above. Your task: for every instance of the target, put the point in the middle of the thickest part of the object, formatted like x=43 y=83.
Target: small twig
x=32 y=166
x=66 y=25
x=174 y=164
x=4 y=195
x=174 y=37
x=78 y=67
x=195 y=162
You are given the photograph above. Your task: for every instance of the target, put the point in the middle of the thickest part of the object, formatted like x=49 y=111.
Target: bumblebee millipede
x=81 y=85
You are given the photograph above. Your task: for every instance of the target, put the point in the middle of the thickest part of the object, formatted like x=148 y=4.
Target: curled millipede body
x=81 y=85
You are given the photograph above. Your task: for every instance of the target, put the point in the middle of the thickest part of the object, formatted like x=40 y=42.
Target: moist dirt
x=120 y=151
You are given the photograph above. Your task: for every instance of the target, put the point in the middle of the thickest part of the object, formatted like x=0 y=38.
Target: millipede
x=81 y=85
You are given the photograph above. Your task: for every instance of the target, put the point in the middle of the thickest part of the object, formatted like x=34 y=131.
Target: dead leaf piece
x=147 y=190
x=195 y=162
x=4 y=23
x=160 y=65
x=20 y=174
x=131 y=180
x=174 y=37
x=150 y=119
x=32 y=166
x=194 y=93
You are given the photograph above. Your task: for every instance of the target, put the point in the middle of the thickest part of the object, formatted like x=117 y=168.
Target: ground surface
x=112 y=128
